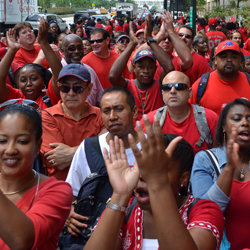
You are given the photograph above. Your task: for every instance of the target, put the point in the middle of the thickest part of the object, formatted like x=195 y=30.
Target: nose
x=113 y=115
x=172 y=90
x=71 y=92
x=245 y=121
x=29 y=82
x=10 y=148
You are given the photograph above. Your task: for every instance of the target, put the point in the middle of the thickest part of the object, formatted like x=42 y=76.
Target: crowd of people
x=167 y=108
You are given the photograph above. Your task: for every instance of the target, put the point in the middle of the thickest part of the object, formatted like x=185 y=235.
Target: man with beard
x=72 y=48
x=226 y=83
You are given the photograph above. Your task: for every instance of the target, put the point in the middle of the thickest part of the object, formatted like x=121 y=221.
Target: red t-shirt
x=200 y=67
x=247 y=45
x=99 y=25
x=237 y=215
x=102 y=66
x=118 y=28
x=24 y=56
x=109 y=29
x=48 y=211
x=187 y=129
x=147 y=99
x=219 y=92
x=215 y=37
x=204 y=214
x=59 y=127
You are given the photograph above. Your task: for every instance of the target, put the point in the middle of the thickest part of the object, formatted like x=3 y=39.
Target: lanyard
x=145 y=101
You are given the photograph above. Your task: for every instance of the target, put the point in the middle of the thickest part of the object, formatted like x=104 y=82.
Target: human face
x=53 y=28
x=18 y=145
x=167 y=45
x=236 y=38
x=202 y=46
x=145 y=70
x=122 y=44
x=30 y=82
x=86 y=47
x=117 y=115
x=176 y=98
x=239 y=118
x=72 y=100
x=141 y=39
x=99 y=47
x=141 y=190
x=186 y=36
x=79 y=32
x=73 y=50
x=247 y=66
x=228 y=62
x=60 y=38
x=26 y=37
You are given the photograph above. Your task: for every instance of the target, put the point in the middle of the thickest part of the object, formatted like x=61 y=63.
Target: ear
x=184 y=178
x=88 y=89
x=190 y=92
x=39 y=144
x=135 y=112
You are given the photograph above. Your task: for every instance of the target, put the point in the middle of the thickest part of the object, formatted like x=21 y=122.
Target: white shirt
x=79 y=168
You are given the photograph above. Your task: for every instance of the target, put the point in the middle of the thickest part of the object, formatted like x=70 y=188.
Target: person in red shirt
x=99 y=23
x=145 y=89
x=214 y=36
x=70 y=121
x=109 y=27
x=101 y=58
x=31 y=79
x=119 y=26
x=236 y=37
x=180 y=118
x=28 y=52
x=226 y=83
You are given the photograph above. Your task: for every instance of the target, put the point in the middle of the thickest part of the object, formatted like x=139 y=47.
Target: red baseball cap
x=227 y=45
x=139 y=32
x=212 y=21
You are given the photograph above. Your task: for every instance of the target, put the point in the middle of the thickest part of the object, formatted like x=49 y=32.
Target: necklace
x=18 y=191
x=145 y=101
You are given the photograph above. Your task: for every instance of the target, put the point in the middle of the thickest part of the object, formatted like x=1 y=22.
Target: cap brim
x=82 y=79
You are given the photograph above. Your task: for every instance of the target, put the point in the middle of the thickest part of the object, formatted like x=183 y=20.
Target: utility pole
x=193 y=15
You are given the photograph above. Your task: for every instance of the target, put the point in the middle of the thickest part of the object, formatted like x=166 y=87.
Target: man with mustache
x=226 y=83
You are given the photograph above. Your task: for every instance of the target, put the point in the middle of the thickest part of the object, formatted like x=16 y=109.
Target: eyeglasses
x=167 y=38
x=177 y=86
x=124 y=41
x=186 y=35
x=97 y=40
x=67 y=88
x=26 y=102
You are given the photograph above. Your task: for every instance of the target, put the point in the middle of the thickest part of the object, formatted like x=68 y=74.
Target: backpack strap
x=161 y=114
x=202 y=86
x=47 y=101
x=94 y=155
x=214 y=161
x=130 y=209
x=11 y=77
x=202 y=126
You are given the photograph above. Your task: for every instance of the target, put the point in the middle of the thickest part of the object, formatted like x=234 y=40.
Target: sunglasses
x=186 y=35
x=66 y=88
x=74 y=48
x=177 y=86
x=26 y=102
x=97 y=40
x=124 y=41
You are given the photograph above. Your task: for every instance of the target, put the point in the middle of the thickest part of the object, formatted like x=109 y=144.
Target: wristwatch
x=115 y=206
x=152 y=40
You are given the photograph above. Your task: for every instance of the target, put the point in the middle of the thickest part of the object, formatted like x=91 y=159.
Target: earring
x=224 y=137
x=182 y=190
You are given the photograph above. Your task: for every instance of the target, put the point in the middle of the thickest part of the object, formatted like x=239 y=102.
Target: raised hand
x=11 y=40
x=153 y=161
x=43 y=31
x=168 y=21
x=232 y=150
x=132 y=35
x=148 y=27
x=122 y=178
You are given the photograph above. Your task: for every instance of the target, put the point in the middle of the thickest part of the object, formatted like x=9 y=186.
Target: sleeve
x=15 y=93
x=203 y=174
x=79 y=170
x=51 y=132
x=50 y=211
x=51 y=94
x=207 y=215
x=19 y=59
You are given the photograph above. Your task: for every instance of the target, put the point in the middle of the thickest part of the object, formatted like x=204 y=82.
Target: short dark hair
x=187 y=27
x=18 y=27
x=183 y=153
x=31 y=114
x=130 y=97
x=219 y=134
x=43 y=72
x=104 y=32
